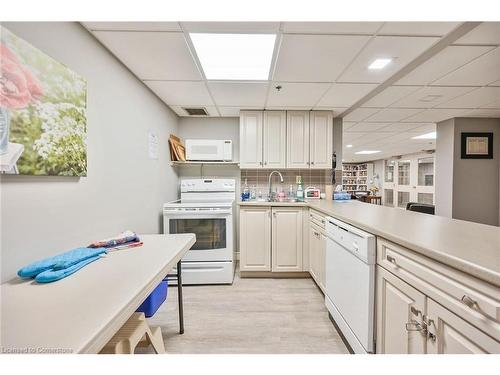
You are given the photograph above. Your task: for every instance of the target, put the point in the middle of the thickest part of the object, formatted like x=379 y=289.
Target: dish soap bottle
x=300 y=189
x=245 y=195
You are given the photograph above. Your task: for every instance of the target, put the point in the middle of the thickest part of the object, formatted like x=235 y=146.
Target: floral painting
x=43 y=125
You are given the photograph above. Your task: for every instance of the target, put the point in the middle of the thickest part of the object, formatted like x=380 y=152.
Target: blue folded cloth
x=54 y=275
x=60 y=262
x=341 y=196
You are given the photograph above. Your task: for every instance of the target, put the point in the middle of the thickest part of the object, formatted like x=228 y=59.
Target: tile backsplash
x=259 y=178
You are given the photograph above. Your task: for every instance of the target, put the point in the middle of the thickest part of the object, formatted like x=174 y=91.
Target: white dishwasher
x=350 y=283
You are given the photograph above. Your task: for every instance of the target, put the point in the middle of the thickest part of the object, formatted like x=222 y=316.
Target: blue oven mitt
x=60 y=262
x=54 y=275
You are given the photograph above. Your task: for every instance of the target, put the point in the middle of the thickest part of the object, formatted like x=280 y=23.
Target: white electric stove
x=205 y=209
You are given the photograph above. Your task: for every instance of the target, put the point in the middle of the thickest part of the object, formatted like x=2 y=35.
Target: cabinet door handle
x=413 y=325
x=391 y=259
x=469 y=302
x=312 y=163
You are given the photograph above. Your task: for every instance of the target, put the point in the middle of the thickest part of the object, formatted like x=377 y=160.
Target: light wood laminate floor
x=251 y=316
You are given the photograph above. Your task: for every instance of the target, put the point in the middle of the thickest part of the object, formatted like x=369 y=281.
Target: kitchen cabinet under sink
x=272 y=239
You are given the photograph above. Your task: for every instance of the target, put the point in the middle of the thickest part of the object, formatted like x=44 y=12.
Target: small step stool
x=135 y=332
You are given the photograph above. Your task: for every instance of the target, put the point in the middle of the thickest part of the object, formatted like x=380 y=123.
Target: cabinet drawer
x=317 y=219
x=472 y=299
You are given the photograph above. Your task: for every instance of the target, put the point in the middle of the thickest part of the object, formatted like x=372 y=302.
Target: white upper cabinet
x=321 y=139
x=274 y=141
x=251 y=139
x=286 y=139
x=297 y=143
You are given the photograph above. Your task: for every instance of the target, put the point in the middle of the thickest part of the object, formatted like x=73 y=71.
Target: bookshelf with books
x=356 y=177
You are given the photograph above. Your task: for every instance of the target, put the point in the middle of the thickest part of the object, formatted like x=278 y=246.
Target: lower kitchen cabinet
x=399 y=316
x=287 y=235
x=449 y=334
x=442 y=312
x=317 y=255
x=255 y=239
x=271 y=239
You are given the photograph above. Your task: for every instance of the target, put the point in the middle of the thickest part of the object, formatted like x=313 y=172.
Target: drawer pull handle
x=469 y=302
x=391 y=259
x=416 y=326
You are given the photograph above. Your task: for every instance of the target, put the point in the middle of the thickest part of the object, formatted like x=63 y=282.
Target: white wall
x=444 y=168
x=124 y=189
x=475 y=181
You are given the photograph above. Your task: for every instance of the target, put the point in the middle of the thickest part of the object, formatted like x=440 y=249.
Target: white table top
x=9 y=159
x=82 y=312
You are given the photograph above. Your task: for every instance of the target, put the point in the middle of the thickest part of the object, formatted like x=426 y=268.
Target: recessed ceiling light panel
x=348 y=146
x=367 y=152
x=378 y=64
x=431 y=135
x=234 y=56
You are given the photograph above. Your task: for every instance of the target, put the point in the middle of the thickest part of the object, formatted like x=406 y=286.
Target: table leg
x=179 y=294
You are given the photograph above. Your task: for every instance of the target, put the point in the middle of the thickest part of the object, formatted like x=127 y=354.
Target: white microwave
x=209 y=149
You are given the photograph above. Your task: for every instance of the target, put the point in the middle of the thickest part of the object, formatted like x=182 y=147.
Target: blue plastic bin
x=154 y=300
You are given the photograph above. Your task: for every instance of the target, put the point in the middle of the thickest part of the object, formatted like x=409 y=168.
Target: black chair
x=421 y=207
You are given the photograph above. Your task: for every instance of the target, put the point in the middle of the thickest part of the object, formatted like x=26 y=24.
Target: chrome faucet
x=270 y=196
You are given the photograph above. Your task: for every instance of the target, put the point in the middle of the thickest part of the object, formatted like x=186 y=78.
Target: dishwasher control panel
x=358 y=242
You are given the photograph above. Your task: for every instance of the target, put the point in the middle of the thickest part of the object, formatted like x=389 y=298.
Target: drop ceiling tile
x=485 y=33
x=345 y=94
x=234 y=94
x=368 y=126
x=390 y=95
x=235 y=111
x=348 y=137
x=359 y=114
x=424 y=129
x=152 y=55
x=315 y=58
x=133 y=26
x=446 y=61
x=434 y=115
x=431 y=96
x=289 y=108
x=181 y=92
x=212 y=111
x=417 y=28
x=401 y=49
x=331 y=27
x=346 y=125
x=393 y=114
x=482 y=112
x=492 y=105
x=232 y=27
x=473 y=99
x=296 y=94
x=482 y=71
x=401 y=126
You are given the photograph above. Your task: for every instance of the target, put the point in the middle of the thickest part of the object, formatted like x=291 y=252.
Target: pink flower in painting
x=18 y=86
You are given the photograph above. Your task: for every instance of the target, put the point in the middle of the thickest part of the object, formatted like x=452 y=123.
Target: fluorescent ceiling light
x=379 y=63
x=234 y=56
x=367 y=152
x=348 y=146
x=431 y=135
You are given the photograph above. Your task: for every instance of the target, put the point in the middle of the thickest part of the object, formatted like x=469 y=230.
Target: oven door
x=214 y=233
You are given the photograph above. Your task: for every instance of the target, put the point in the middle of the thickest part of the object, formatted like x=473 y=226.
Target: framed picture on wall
x=477 y=146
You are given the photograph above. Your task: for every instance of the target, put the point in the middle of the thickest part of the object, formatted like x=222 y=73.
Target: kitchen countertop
x=469 y=247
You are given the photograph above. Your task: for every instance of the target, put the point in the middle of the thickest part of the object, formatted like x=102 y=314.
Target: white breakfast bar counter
x=79 y=314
